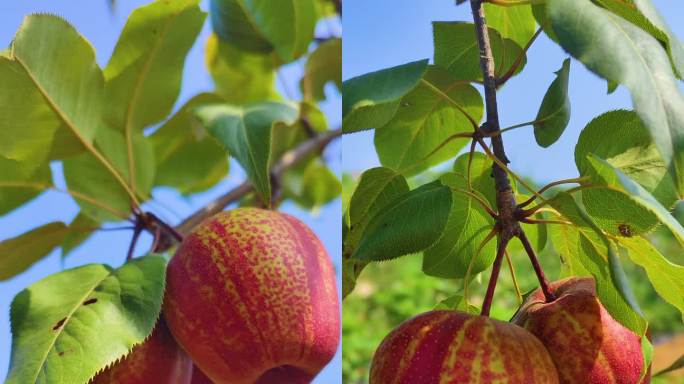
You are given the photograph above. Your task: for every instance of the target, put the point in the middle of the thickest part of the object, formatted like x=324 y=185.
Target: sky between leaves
x=94 y=20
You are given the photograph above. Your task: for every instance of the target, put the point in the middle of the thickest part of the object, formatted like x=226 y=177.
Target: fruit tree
x=478 y=215
x=241 y=296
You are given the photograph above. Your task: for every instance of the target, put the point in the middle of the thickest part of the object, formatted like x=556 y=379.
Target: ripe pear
x=586 y=344
x=251 y=297
x=157 y=360
x=456 y=347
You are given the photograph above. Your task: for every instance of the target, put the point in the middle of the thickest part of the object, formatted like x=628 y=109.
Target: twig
x=466 y=278
x=496 y=268
x=543 y=282
x=513 y=277
x=289 y=159
x=511 y=71
x=139 y=226
x=480 y=200
x=549 y=186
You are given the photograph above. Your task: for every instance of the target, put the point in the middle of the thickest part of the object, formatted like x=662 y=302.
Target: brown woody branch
x=287 y=161
x=508 y=215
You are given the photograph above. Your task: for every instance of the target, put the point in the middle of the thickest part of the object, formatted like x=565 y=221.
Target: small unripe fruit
x=251 y=297
x=157 y=360
x=587 y=345
x=456 y=347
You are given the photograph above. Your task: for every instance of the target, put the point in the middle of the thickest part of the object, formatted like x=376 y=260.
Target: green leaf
x=19 y=253
x=285 y=26
x=70 y=325
x=105 y=197
x=554 y=112
x=636 y=60
x=515 y=23
x=187 y=157
x=429 y=115
x=80 y=229
x=324 y=65
x=143 y=76
x=636 y=12
x=593 y=253
x=246 y=133
x=539 y=12
x=317 y=186
x=467 y=227
x=457 y=303
x=377 y=188
x=617 y=213
x=456 y=49
x=241 y=76
x=630 y=149
x=56 y=87
x=369 y=101
x=411 y=223
x=481 y=178
x=647 y=352
x=614 y=178
x=666 y=277
x=21 y=182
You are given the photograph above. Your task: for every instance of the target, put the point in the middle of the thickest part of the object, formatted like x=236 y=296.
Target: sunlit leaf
x=457 y=303
x=429 y=115
x=666 y=277
x=286 y=26
x=21 y=182
x=636 y=60
x=80 y=229
x=19 y=253
x=584 y=245
x=643 y=14
x=143 y=76
x=554 y=112
x=105 y=197
x=187 y=157
x=241 y=76
x=515 y=23
x=608 y=175
x=456 y=49
x=467 y=227
x=246 y=133
x=324 y=65
x=377 y=187
x=369 y=101
x=411 y=223
x=57 y=87
x=629 y=149
x=68 y=326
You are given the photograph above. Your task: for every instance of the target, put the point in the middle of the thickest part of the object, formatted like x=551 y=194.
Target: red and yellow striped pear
x=251 y=297
x=158 y=360
x=587 y=345
x=440 y=347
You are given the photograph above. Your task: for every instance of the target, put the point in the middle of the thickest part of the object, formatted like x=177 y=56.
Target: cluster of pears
x=570 y=340
x=250 y=299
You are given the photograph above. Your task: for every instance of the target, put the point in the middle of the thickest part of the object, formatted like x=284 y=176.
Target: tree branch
x=288 y=160
x=505 y=198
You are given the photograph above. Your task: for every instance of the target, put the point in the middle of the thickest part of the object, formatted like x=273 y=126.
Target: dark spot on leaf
x=61 y=353
x=91 y=301
x=625 y=230
x=59 y=324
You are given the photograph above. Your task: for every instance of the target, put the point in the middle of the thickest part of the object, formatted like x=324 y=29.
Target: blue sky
x=381 y=34
x=101 y=27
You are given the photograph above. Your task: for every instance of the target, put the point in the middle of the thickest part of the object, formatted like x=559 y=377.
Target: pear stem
x=543 y=282
x=496 y=268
